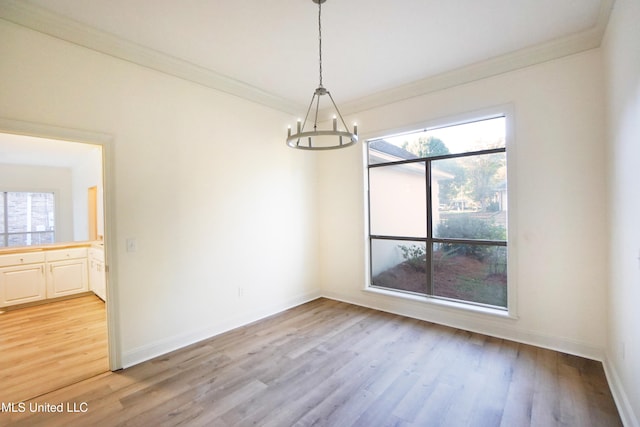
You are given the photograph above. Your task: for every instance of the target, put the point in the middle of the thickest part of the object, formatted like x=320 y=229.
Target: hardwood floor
x=327 y=363
x=49 y=346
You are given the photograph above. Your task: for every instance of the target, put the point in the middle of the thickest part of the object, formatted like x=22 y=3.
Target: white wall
x=44 y=179
x=622 y=66
x=558 y=204
x=202 y=180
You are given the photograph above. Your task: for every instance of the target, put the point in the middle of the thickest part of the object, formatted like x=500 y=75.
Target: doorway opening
x=54 y=297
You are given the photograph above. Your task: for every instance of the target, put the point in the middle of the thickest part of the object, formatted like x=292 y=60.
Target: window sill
x=469 y=308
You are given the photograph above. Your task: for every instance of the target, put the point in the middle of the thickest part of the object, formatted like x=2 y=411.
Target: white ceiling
x=28 y=150
x=369 y=48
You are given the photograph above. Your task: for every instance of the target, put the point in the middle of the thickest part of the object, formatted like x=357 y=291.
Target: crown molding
x=43 y=21
x=555 y=49
x=41 y=130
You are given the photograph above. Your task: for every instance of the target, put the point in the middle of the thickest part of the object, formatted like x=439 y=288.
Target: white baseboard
x=167 y=345
x=629 y=418
x=472 y=322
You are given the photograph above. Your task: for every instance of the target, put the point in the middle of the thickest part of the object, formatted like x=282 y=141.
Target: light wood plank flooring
x=49 y=346
x=328 y=363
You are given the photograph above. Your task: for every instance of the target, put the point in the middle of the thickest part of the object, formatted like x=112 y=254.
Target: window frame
x=509 y=150
x=5 y=234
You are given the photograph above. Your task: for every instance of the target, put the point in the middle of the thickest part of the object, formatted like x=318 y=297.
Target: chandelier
x=321 y=139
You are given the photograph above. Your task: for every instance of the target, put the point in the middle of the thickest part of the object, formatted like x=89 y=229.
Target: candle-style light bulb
x=288 y=130
x=299 y=124
x=335 y=122
x=355 y=128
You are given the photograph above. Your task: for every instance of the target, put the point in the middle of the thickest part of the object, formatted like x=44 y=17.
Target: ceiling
x=28 y=150
x=373 y=52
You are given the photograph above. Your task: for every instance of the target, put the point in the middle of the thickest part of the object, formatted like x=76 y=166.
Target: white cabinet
x=67 y=272
x=22 y=278
x=41 y=274
x=97 y=280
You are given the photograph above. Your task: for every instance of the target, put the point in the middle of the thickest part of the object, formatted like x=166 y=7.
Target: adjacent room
x=468 y=254
x=52 y=275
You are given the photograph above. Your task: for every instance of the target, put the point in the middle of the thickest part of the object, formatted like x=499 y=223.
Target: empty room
x=320 y=212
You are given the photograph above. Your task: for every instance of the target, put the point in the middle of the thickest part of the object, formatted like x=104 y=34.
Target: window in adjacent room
x=438 y=213
x=26 y=218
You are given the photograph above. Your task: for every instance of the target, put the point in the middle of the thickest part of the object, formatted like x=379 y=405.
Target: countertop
x=53 y=246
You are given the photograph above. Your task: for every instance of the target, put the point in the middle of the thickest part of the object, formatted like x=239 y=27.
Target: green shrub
x=467 y=227
x=414 y=255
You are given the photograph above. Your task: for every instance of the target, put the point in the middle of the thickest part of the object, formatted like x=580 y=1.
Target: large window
x=26 y=218
x=438 y=212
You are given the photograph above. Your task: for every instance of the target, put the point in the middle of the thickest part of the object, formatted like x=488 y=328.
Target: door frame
x=92 y=210
x=18 y=127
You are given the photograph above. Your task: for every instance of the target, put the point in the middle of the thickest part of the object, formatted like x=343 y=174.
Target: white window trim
x=506 y=110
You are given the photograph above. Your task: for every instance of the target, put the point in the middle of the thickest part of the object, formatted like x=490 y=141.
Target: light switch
x=132 y=245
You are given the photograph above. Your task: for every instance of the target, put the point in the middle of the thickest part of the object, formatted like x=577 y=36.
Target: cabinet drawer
x=20 y=259
x=62 y=254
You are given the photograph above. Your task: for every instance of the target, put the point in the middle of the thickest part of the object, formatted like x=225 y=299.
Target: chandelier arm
x=315 y=121
x=304 y=123
x=338 y=112
x=308 y=111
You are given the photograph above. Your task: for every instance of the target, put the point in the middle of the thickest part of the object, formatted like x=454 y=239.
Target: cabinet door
x=21 y=284
x=97 y=280
x=67 y=278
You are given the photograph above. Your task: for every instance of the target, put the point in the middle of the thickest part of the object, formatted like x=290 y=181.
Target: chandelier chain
x=320 y=40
